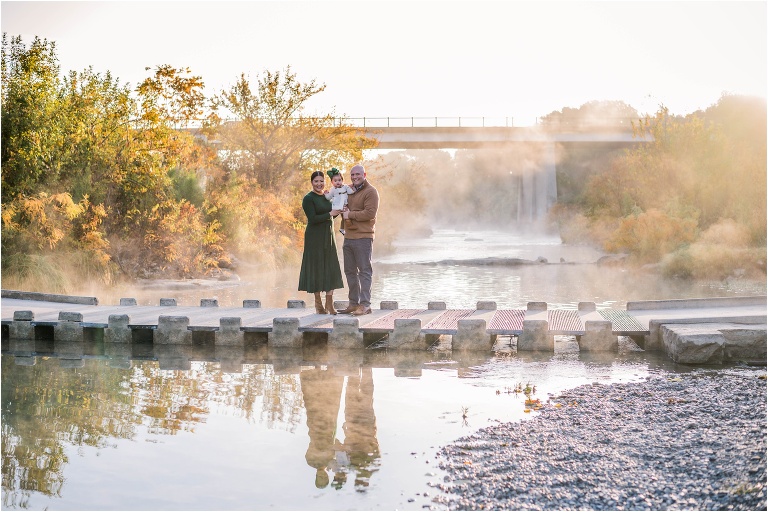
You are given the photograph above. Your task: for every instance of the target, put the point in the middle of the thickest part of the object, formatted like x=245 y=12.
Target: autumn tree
x=271 y=138
x=31 y=135
x=608 y=114
x=269 y=145
x=96 y=175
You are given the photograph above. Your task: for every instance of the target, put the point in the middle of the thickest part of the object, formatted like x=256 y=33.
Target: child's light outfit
x=338 y=199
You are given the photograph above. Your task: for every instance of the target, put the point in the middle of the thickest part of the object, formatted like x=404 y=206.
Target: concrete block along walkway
x=28 y=315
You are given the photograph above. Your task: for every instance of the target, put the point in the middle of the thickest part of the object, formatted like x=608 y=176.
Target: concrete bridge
x=704 y=331
x=487 y=132
x=493 y=133
x=492 y=138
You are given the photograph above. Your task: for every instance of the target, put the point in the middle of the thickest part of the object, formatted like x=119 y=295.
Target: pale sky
x=386 y=58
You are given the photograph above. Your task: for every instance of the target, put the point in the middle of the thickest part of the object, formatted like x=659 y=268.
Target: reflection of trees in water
x=179 y=399
x=46 y=407
x=172 y=400
x=255 y=393
x=360 y=450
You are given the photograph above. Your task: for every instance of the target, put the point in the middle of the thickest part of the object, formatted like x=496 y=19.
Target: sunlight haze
x=517 y=59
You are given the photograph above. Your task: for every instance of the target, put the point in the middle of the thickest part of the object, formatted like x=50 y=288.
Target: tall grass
x=34 y=273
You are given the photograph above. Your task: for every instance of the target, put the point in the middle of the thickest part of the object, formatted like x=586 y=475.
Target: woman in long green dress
x=320 y=270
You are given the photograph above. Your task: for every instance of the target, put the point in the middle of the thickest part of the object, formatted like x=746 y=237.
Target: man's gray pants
x=358 y=269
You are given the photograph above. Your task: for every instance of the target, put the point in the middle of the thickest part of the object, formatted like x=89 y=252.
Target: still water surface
x=207 y=428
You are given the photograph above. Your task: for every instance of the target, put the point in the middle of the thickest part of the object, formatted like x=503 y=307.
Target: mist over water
x=451 y=244
x=448 y=266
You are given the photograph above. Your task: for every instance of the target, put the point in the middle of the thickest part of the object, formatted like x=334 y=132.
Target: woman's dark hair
x=316 y=174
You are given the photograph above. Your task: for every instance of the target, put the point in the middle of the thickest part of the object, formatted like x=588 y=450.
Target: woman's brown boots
x=329 y=304
x=319 y=304
x=328 y=309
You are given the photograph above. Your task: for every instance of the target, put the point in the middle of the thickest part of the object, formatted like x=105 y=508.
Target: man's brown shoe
x=347 y=310
x=362 y=310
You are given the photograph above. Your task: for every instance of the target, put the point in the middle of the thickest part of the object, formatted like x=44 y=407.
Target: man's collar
x=361 y=185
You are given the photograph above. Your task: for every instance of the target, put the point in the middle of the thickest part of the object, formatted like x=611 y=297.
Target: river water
x=205 y=428
x=433 y=268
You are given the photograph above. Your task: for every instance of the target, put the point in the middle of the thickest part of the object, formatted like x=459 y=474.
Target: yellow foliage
x=180 y=242
x=650 y=235
x=260 y=227
x=718 y=254
x=40 y=221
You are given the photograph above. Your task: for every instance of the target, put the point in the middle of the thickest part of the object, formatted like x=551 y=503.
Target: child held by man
x=338 y=193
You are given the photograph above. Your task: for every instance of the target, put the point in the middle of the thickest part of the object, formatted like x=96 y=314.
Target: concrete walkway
x=44 y=316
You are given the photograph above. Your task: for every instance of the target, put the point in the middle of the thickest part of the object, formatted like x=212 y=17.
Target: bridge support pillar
x=229 y=333
x=71 y=363
x=471 y=335
x=654 y=341
x=172 y=330
x=535 y=337
x=346 y=333
x=407 y=335
x=25 y=360
x=598 y=337
x=285 y=360
x=22 y=347
x=69 y=349
x=117 y=330
x=230 y=358
x=405 y=364
x=345 y=363
x=285 y=333
x=21 y=328
x=172 y=356
x=69 y=327
x=119 y=353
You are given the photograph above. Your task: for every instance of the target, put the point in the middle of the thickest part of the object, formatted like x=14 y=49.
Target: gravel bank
x=689 y=441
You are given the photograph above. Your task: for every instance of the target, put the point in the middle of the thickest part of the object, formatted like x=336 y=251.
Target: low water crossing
x=313 y=429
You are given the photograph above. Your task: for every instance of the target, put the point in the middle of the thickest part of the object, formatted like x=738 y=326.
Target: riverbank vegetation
x=102 y=182
x=692 y=201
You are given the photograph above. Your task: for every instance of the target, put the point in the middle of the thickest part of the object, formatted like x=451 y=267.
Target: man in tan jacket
x=360 y=223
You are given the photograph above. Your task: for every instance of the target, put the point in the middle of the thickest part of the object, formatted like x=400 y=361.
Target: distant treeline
x=102 y=182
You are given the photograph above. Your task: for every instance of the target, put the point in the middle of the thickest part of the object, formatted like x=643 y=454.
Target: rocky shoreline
x=676 y=441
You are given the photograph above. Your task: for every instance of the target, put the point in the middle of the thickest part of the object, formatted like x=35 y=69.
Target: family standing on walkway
x=320 y=271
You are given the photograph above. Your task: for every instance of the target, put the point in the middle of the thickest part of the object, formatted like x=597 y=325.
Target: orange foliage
x=188 y=245
x=650 y=235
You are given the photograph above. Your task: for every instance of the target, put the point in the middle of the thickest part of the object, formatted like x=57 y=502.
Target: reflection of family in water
x=359 y=451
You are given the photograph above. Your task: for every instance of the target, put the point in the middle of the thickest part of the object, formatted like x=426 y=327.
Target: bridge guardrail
x=484 y=122
x=430 y=122
x=462 y=122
